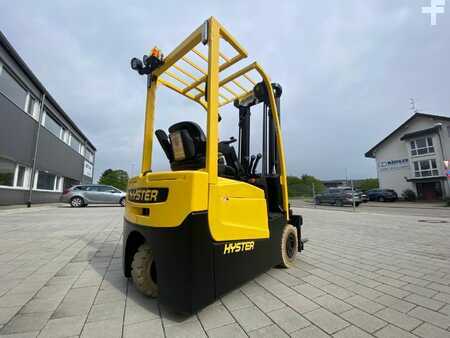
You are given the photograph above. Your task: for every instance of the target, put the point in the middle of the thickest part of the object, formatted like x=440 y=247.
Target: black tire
x=122 y=202
x=317 y=201
x=77 y=202
x=381 y=199
x=357 y=204
x=339 y=203
x=288 y=246
x=143 y=271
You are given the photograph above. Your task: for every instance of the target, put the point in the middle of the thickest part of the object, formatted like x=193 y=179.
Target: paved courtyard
x=361 y=275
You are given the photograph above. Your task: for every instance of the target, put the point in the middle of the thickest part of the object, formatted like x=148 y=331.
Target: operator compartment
x=165 y=199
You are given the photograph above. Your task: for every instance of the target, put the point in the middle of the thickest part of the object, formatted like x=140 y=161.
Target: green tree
x=367 y=184
x=117 y=178
x=303 y=186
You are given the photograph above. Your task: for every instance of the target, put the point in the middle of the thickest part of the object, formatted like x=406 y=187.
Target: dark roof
x=422 y=132
x=13 y=53
x=416 y=115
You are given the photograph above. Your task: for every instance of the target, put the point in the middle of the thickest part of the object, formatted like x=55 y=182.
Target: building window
x=425 y=168
x=12 y=89
x=33 y=107
x=448 y=131
x=14 y=175
x=52 y=125
x=422 y=146
x=65 y=136
x=76 y=144
x=89 y=156
x=21 y=176
x=7 y=172
x=47 y=181
x=69 y=183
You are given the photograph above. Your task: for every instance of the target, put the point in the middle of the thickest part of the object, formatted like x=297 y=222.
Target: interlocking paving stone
x=271 y=331
x=236 y=300
x=430 y=331
x=352 y=332
x=424 y=301
x=105 y=328
x=106 y=311
x=186 y=329
x=333 y=304
x=26 y=322
x=300 y=303
x=214 y=316
x=392 y=290
x=251 y=318
x=364 y=304
x=391 y=331
x=308 y=290
x=337 y=291
x=395 y=303
x=356 y=269
x=326 y=320
x=400 y=319
x=445 y=310
x=149 y=328
x=63 y=327
x=420 y=290
x=363 y=320
x=227 y=331
x=288 y=319
x=266 y=302
x=6 y=313
x=309 y=332
x=441 y=296
x=430 y=316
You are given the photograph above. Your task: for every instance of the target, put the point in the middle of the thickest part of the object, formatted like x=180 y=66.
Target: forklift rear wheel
x=143 y=271
x=289 y=246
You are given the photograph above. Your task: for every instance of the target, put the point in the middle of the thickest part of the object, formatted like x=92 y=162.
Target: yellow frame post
x=147 y=148
x=212 y=102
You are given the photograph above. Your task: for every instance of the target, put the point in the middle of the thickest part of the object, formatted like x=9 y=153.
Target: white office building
x=415 y=156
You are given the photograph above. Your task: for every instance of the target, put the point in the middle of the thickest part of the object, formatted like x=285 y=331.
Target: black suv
x=382 y=195
x=338 y=197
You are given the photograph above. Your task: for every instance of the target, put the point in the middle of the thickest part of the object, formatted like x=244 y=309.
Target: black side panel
x=193 y=270
x=235 y=269
x=184 y=262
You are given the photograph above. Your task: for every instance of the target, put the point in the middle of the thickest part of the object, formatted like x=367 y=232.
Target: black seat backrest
x=185 y=147
x=165 y=144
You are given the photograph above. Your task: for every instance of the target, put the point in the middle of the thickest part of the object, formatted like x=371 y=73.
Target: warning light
x=155 y=52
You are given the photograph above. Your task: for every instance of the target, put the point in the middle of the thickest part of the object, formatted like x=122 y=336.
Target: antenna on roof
x=412 y=101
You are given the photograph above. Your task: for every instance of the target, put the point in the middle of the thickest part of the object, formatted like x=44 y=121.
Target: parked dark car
x=382 y=195
x=338 y=197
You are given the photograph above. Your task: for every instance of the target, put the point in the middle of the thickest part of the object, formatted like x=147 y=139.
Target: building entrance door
x=429 y=191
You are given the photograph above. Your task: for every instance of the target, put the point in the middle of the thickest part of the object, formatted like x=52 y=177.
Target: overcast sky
x=348 y=69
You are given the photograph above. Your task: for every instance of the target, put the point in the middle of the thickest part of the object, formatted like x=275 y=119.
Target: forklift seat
x=185 y=147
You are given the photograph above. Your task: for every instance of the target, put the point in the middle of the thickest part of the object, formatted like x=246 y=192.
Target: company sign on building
x=394 y=164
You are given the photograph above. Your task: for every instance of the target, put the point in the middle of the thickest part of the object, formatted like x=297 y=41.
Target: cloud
x=347 y=70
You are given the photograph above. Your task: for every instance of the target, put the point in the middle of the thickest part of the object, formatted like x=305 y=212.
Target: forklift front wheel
x=143 y=271
x=289 y=246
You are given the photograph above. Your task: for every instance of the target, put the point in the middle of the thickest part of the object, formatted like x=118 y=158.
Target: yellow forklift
x=219 y=217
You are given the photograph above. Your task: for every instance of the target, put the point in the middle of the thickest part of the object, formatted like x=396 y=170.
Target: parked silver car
x=82 y=195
